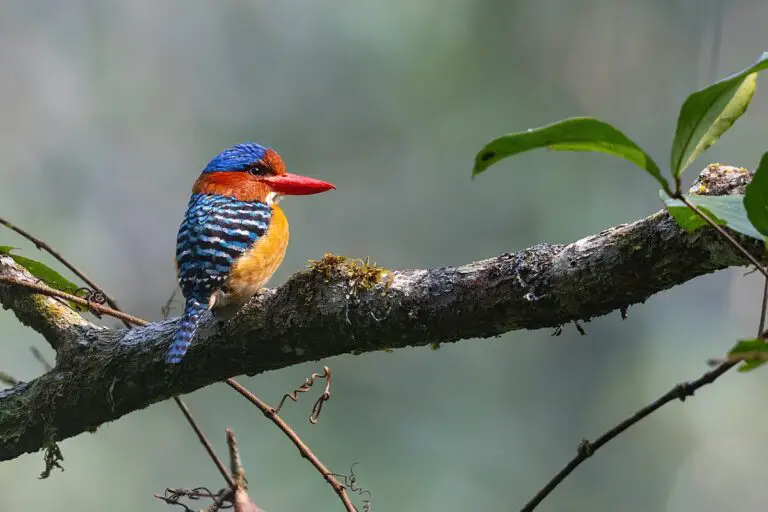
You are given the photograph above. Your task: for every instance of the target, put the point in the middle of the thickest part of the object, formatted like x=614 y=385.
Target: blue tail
x=183 y=337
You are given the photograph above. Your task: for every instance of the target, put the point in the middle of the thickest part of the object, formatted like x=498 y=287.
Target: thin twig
x=52 y=292
x=337 y=486
x=763 y=307
x=204 y=441
x=40 y=358
x=586 y=449
x=761 y=333
x=722 y=232
x=41 y=245
x=166 y=309
x=236 y=465
x=7 y=378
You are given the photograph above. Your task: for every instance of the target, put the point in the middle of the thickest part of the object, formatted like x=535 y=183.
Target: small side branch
x=586 y=448
x=235 y=496
x=272 y=416
x=38 y=288
x=43 y=246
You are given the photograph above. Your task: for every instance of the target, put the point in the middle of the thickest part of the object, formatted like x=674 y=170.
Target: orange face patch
x=238 y=185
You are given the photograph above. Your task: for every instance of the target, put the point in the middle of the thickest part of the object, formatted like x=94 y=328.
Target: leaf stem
x=722 y=232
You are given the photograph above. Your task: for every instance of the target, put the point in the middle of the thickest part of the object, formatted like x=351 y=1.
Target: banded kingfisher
x=234 y=235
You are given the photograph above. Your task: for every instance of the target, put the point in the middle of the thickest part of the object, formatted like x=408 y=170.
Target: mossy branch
x=341 y=306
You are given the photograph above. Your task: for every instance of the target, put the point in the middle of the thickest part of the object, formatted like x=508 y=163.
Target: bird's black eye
x=257 y=169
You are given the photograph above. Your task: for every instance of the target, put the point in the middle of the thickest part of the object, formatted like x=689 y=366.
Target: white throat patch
x=273 y=198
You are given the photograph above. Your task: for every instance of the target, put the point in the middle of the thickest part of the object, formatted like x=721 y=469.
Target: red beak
x=295 y=185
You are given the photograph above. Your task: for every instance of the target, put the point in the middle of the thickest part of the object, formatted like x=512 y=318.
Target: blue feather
x=236 y=158
x=183 y=337
x=215 y=232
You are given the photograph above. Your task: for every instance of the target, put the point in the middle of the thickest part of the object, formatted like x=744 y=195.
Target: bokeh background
x=110 y=109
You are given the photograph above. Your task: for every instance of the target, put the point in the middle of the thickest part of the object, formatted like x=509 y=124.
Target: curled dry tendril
x=306 y=386
x=350 y=482
x=94 y=296
x=172 y=497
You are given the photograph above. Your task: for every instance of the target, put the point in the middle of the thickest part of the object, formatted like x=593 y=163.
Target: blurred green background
x=110 y=109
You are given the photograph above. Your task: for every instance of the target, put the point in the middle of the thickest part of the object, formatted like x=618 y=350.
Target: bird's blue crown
x=236 y=158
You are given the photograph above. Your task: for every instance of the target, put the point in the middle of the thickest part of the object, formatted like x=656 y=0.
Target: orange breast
x=254 y=268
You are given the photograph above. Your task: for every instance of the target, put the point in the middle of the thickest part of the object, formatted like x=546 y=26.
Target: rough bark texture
x=341 y=307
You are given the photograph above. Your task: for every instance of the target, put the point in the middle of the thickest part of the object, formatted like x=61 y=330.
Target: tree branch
x=52 y=318
x=342 y=307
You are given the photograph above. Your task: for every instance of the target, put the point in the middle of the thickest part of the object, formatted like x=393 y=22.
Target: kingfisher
x=234 y=235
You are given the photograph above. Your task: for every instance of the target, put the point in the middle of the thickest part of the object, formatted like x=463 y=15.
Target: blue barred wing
x=215 y=232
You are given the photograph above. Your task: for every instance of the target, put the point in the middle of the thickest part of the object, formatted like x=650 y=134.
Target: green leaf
x=749 y=347
x=575 y=134
x=689 y=221
x=756 y=197
x=41 y=271
x=724 y=210
x=708 y=113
